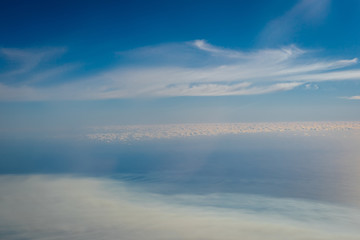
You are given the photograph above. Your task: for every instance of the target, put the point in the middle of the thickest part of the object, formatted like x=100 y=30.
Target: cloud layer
x=147 y=132
x=194 y=68
x=49 y=207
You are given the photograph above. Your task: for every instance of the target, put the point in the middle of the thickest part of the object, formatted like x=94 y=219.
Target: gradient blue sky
x=80 y=63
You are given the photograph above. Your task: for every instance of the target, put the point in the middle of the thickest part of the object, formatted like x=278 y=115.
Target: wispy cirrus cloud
x=195 y=68
x=305 y=12
x=27 y=60
x=27 y=66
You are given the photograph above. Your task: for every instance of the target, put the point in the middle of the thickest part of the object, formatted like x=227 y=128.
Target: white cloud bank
x=188 y=69
x=48 y=207
x=167 y=131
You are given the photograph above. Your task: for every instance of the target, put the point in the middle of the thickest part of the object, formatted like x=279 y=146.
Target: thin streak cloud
x=352 y=98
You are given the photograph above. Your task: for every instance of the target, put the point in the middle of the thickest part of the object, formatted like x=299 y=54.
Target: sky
x=89 y=63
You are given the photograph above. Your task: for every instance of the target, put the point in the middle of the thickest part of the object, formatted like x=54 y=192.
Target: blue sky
x=116 y=62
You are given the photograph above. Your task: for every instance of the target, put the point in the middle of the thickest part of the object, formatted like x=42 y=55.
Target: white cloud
x=220 y=72
x=353 y=98
x=213 y=89
x=203 y=45
x=311 y=86
x=65 y=207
